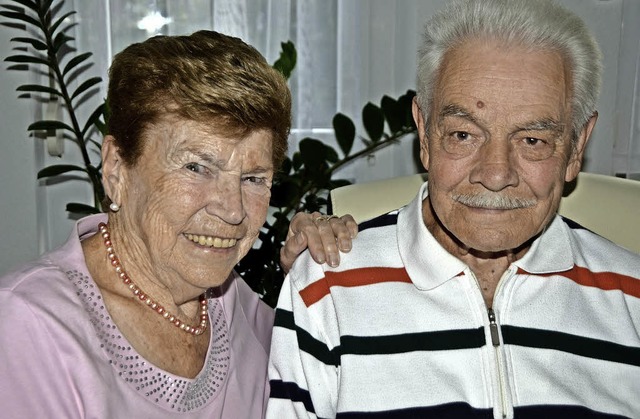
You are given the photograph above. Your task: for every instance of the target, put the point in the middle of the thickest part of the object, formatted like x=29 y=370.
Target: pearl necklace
x=142 y=296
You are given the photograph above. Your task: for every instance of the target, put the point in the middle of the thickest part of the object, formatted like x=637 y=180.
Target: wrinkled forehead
x=487 y=76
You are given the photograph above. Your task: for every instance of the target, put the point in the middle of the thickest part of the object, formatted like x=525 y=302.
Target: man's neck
x=488 y=267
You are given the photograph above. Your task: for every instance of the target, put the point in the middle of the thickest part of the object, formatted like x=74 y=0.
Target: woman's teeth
x=210 y=241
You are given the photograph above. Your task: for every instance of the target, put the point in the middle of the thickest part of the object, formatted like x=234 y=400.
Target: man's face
x=498 y=148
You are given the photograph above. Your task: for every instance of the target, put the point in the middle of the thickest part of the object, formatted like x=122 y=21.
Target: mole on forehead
x=480 y=104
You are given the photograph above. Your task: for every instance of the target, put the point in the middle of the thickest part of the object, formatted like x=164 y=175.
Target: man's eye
x=255 y=179
x=461 y=135
x=532 y=141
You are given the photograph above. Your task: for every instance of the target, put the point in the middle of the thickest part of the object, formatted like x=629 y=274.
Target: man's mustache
x=494 y=201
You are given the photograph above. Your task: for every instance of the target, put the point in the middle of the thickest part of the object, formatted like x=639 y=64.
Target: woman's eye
x=195 y=167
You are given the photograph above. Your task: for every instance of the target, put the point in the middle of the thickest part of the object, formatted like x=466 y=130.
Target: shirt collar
x=429 y=265
x=550 y=252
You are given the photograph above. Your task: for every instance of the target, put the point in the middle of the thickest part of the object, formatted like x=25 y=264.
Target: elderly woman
x=140 y=313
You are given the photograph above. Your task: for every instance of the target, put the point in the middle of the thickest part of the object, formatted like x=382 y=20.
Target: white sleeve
x=304 y=365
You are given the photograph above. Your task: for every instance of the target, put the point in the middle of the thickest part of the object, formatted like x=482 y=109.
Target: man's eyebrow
x=457 y=111
x=544 y=124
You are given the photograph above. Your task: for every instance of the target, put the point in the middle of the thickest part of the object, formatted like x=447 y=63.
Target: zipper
x=493 y=328
x=495 y=341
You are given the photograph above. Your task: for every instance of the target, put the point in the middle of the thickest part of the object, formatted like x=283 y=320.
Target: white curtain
x=351 y=52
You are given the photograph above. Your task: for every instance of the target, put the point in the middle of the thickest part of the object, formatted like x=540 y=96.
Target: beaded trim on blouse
x=169 y=391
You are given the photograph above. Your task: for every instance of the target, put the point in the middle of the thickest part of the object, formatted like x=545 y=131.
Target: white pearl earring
x=114 y=207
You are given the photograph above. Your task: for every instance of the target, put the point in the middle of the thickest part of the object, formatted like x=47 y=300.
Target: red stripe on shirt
x=351 y=278
x=602 y=280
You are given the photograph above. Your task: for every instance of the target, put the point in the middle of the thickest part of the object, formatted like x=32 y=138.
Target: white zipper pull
x=493 y=328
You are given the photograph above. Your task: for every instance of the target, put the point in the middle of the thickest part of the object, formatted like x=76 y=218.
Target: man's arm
x=303 y=369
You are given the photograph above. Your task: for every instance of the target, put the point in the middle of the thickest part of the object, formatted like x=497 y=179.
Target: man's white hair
x=535 y=24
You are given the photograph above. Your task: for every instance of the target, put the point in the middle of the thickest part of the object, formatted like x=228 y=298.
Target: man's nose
x=496 y=166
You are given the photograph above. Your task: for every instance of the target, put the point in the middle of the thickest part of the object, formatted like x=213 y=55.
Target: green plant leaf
x=23 y=17
x=27 y=59
x=60 y=40
x=337 y=183
x=406 y=103
x=59 y=169
x=284 y=192
x=77 y=208
x=59 y=21
x=85 y=86
x=345 y=131
x=49 y=125
x=76 y=61
x=98 y=146
x=35 y=43
x=34 y=88
x=373 y=121
x=286 y=166
x=69 y=26
x=29 y=4
x=393 y=113
x=297 y=161
x=330 y=154
x=313 y=154
x=288 y=58
x=94 y=119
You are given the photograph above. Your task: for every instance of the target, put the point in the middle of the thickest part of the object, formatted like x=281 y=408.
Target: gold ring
x=324 y=218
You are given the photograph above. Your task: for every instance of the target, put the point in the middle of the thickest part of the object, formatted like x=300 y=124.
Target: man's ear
x=577 y=152
x=422 y=133
x=112 y=170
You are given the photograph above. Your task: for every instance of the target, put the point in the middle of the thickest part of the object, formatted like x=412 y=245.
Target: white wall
x=18 y=229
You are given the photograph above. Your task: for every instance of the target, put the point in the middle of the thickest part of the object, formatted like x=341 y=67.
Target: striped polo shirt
x=400 y=330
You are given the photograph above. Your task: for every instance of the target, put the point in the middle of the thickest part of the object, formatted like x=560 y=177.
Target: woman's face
x=194 y=203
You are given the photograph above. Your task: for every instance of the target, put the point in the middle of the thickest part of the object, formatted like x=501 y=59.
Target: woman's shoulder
x=241 y=301
x=32 y=276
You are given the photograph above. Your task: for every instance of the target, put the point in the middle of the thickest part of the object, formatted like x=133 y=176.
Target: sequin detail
x=169 y=391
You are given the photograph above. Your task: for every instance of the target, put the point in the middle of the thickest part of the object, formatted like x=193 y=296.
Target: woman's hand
x=325 y=236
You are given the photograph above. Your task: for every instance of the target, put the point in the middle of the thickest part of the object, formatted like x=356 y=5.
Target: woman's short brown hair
x=206 y=77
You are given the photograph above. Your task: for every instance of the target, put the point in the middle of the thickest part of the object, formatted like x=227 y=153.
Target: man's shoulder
x=599 y=253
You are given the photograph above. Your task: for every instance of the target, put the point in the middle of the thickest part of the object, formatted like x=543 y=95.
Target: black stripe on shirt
x=291 y=391
x=561 y=412
x=410 y=342
x=380 y=221
x=577 y=345
x=457 y=410
x=306 y=342
x=460 y=410
x=572 y=224
x=379 y=345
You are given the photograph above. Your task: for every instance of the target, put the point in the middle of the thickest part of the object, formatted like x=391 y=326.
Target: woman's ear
x=112 y=170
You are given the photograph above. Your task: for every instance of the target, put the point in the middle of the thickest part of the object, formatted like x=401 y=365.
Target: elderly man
x=476 y=299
